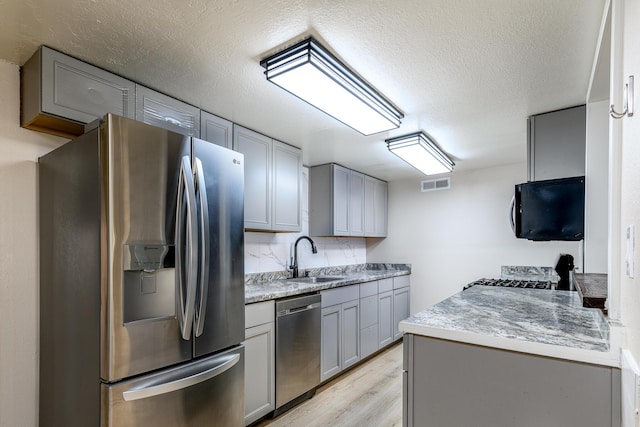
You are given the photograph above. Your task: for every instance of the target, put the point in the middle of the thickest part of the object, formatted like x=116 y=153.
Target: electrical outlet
x=631 y=247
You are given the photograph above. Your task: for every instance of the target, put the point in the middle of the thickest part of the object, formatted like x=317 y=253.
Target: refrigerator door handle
x=186 y=269
x=512 y=214
x=201 y=191
x=165 y=383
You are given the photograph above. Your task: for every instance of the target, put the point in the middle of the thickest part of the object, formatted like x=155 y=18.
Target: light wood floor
x=368 y=395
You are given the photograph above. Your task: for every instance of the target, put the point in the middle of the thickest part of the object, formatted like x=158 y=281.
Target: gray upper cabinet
x=343 y=202
x=556 y=144
x=216 y=129
x=273 y=172
x=401 y=303
x=356 y=203
x=340 y=201
x=60 y=94
x=163 y=111
x=257 y=177
x=287 y=188
x=375 y=207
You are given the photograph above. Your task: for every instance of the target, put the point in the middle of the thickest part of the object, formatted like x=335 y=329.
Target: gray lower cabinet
x=340 y=345
x=259 y=377
x=273 y=174
x=350 y=333
x=368 y=318
x=385 y=312
x=160 y=110
x=452 y=384
x=330 y=346
x=60 y=94
x=216 y=129
x=401 y=302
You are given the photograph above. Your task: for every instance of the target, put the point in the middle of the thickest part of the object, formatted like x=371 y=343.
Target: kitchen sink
x=316 y=279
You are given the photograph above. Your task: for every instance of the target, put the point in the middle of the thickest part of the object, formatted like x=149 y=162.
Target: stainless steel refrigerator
x=141 y=280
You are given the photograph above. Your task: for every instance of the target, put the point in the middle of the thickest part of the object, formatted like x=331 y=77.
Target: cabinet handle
x=627 y=100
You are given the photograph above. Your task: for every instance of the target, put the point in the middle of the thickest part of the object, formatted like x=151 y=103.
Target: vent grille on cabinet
x=436 y=184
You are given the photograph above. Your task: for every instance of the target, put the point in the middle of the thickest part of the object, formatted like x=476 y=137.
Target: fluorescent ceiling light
x=421 y=152
x=314 y=75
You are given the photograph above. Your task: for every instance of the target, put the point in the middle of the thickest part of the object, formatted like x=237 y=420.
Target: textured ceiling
x=468 y=72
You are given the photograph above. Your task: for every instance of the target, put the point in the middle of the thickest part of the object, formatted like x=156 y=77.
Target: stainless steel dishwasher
x=297 y=350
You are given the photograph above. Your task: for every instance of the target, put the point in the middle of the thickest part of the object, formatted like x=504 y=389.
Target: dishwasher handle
x=299 y=309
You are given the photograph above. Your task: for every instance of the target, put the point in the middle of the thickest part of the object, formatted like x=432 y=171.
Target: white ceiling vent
x=436 y=184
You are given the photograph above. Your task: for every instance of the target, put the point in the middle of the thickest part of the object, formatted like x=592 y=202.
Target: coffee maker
x=564 y=267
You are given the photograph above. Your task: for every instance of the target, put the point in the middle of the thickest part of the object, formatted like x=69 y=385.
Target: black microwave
x=549 y=210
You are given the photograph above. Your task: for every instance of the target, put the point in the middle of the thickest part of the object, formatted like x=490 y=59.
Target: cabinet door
x=385 y=318
x=216 y=129
x=368 y=311
x=557 y=144
x=287 y=191
x=356 y=204
x=380 y=208
x=368 y=340
x=163 y=111
x=350 y=333
x=259 y=375
x=331 y=340
x=375 y=207
x=340 y=201
x=257 y=176
x=369 y=206
x=400 y=309
x=78 y=91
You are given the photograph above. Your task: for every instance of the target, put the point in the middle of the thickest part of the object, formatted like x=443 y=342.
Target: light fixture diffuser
x=310 y=72
x=421 y=152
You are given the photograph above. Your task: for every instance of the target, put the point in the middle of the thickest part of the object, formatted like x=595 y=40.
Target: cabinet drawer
x=259 y=313
x=401 y=281
x=340 y=295
x=369 y=288
x=385 y=285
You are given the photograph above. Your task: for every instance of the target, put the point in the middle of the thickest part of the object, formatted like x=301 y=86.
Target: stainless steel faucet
x=294 y=260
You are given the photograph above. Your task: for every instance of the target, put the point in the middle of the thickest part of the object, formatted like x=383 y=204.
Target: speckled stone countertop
x=268 y=286
x=535 y=321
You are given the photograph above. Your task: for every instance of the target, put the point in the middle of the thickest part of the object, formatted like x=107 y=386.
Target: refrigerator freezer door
x=140 y=170
x=202 y=393
x=220 y=317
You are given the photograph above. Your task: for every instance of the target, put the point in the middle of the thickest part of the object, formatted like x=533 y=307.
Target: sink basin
x=316 y=279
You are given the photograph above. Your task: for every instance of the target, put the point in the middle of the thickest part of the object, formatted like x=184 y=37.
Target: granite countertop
x=592 y=288
x=535 y=321
x=264 y=287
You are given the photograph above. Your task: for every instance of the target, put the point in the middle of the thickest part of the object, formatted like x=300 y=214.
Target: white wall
x=630 y=190
x=266 y=252
x=19 y=151
x=452 y=237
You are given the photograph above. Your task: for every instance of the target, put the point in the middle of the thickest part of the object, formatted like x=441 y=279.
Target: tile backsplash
x=265 y=252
